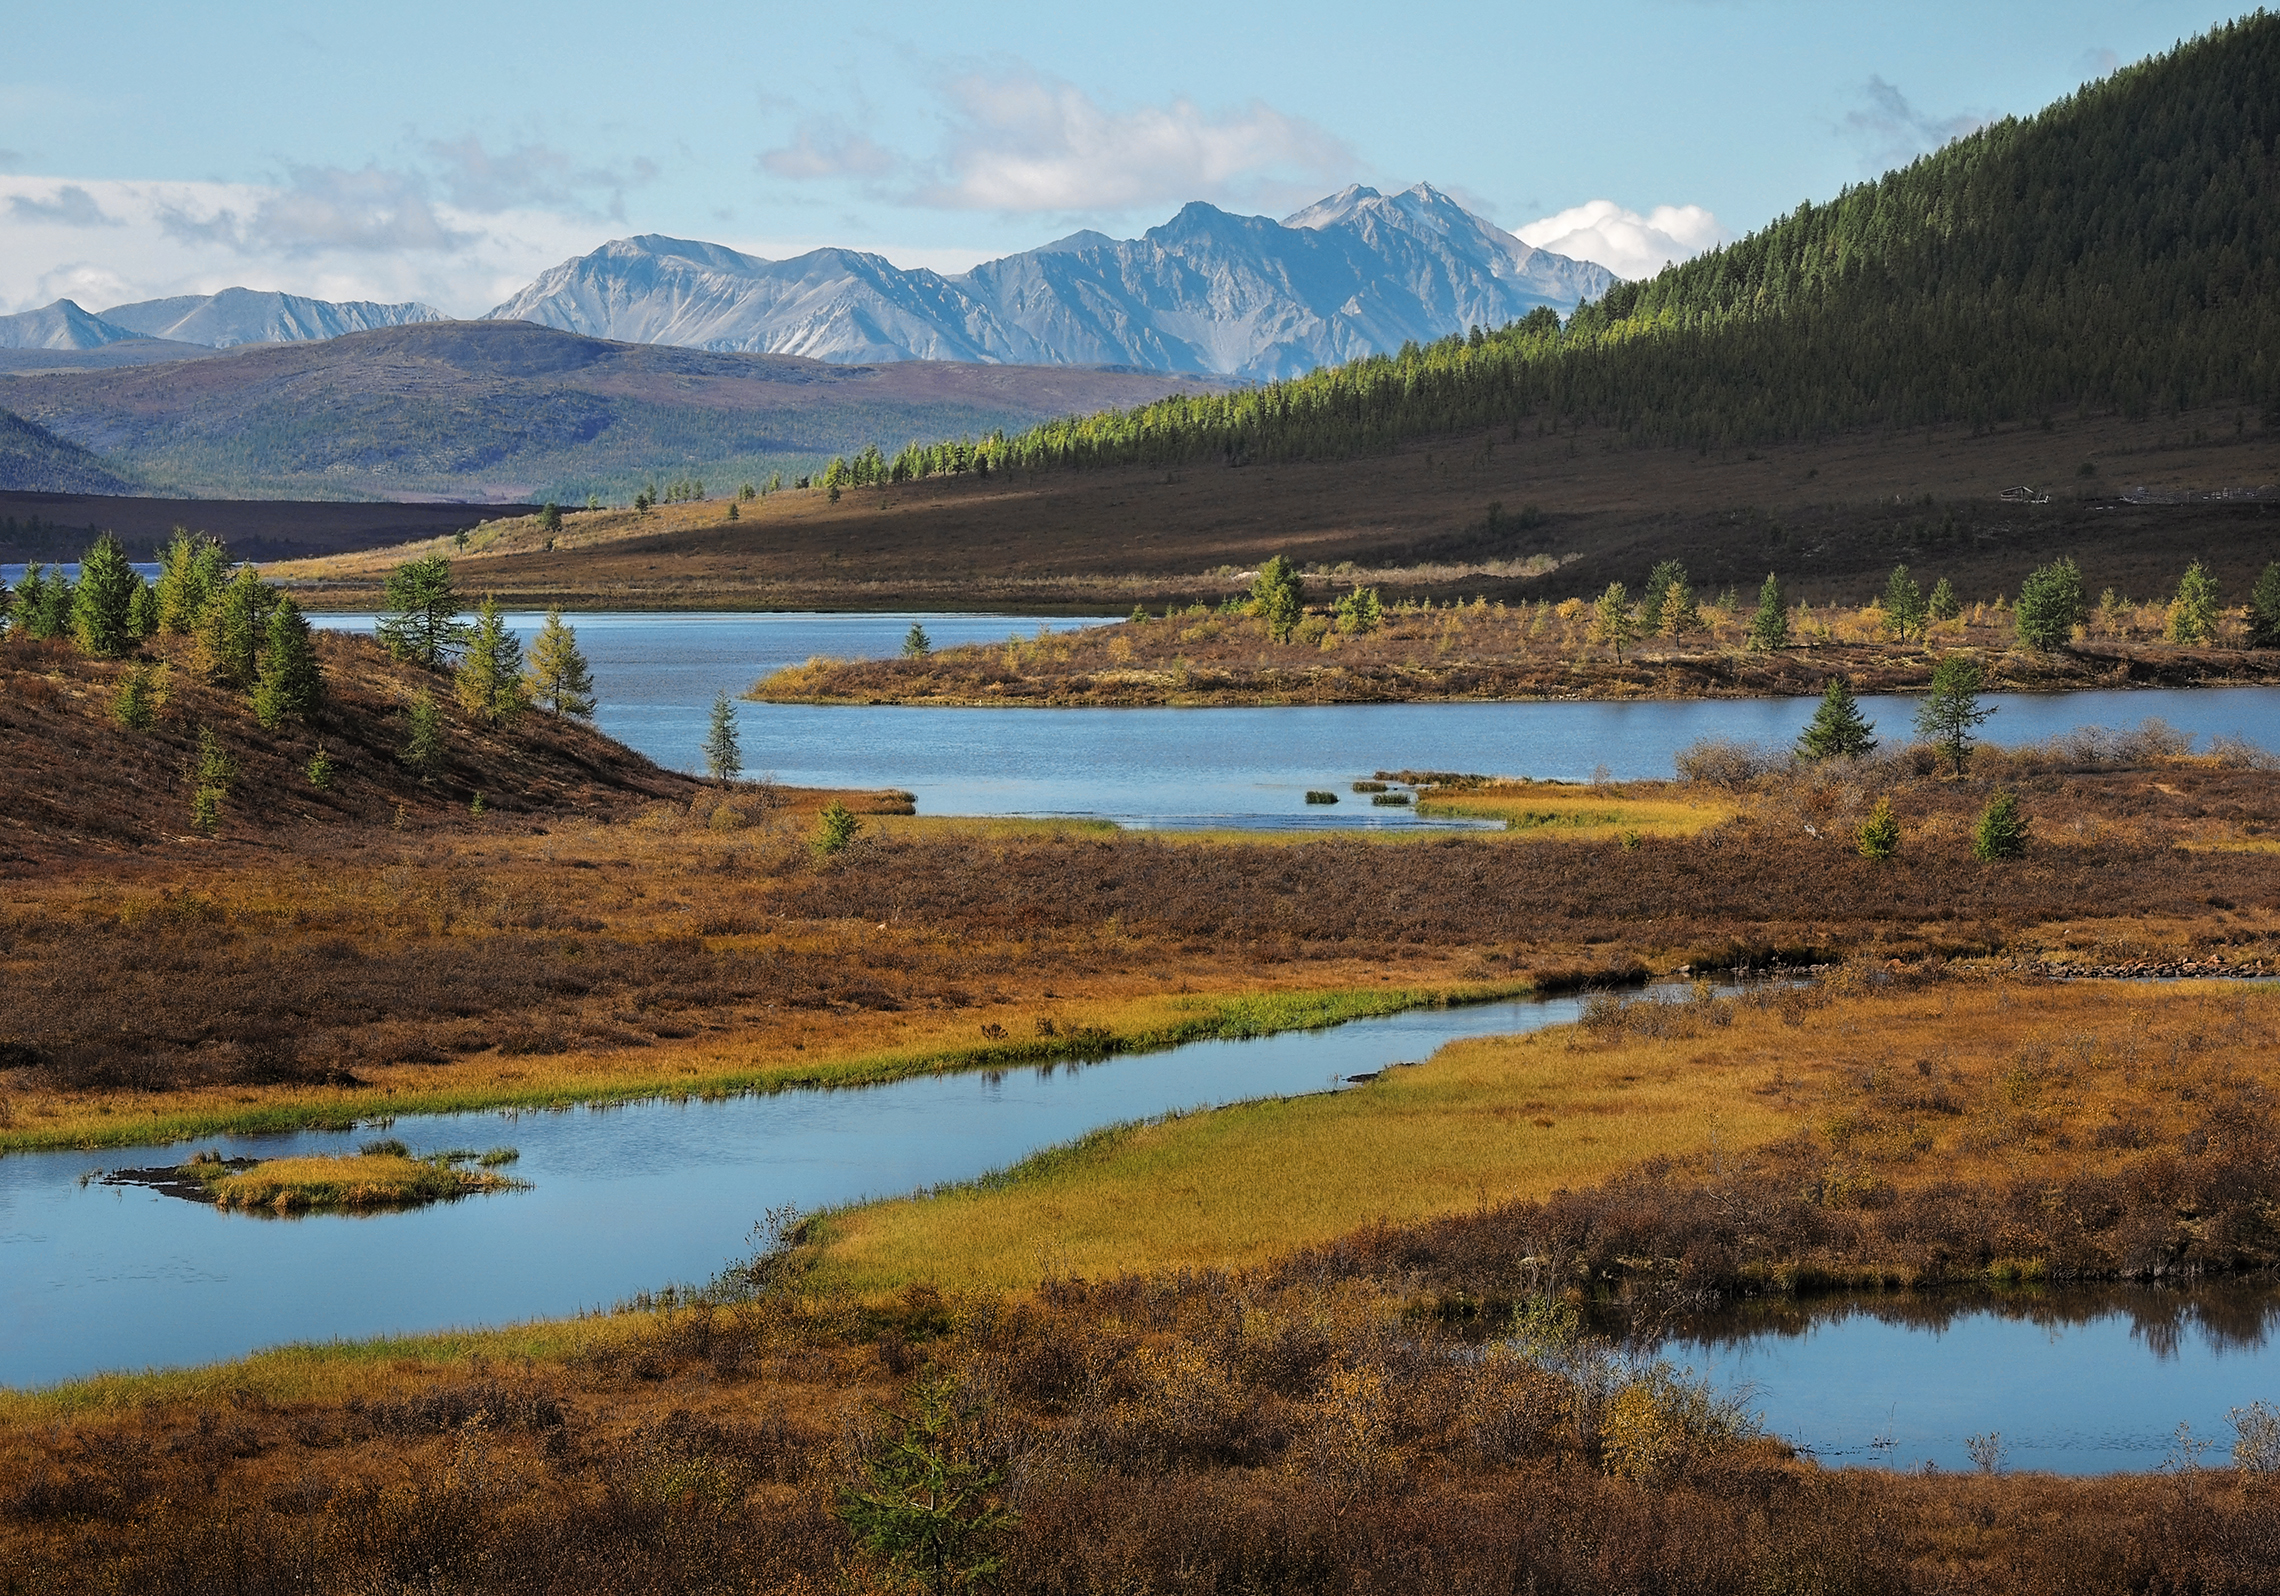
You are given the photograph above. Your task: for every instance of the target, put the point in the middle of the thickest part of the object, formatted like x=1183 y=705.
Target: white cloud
x=1890 y=132
x=1020 y=142
x=69 y=206
x=823 y=148
x=327 y=233
x=1625 y=242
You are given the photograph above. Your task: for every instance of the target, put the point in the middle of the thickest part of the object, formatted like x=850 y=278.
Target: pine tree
x=916 y=644
x=550 y=516
x=1903 y=604
x=1769 y=627
x=231 y=630
x=2002 y=831
x=2193 y=616
x=1950 y=711
x=723 y=756
x=489 y=679
x=422 y=753
x=1679 y=615
x=1359 y=612
x=1878 y=837
x=1275 y=598
x=422 y=623
x=143 y=616
x=290 y=684
x=1943 y=604
x=1657 y=591
x=1837 y=730
x=2050 y=607
x=2264 y=609
x=558 y=677
x=210 y=782
x=191 y=571
x=135 y=706
x=1611 y=620
x=103 y=603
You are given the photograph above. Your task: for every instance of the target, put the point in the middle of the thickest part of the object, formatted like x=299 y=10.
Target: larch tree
x=1769 y=627
x=233 y=627
x=558 y=677
x=103 y=601
x=724 y=755
x=422 y=620
x=1951 y=712
x=489 y=680
x=1837 y=730
x=289 y=685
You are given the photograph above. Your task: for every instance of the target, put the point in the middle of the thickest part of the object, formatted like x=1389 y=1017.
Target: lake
x=657 y=674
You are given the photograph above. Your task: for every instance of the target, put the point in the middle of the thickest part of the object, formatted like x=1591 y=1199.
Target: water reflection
x=2075 y=1379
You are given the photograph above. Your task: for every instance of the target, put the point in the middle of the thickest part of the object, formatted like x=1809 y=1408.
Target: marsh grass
x=1552 y=809
x=1858 y=1090
x=383 y=1178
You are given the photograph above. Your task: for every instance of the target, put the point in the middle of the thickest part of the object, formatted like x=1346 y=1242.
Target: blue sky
x=449 y=152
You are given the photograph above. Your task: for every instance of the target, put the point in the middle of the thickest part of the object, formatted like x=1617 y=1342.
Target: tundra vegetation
x=1277 y=1381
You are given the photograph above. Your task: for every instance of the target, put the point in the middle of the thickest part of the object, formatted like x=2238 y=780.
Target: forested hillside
x=2120 y=251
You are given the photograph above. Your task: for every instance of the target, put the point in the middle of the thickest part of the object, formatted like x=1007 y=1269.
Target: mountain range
x=1208 y=292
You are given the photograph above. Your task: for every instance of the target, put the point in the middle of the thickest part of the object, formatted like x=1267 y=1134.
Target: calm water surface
x=2081 y=1381
x=657 y=675
x=622 y=1199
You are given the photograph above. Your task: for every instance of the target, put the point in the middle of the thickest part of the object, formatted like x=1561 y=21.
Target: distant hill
x=1358 y=273
x=2118 y=252
x=511 y=411
x=34 y=460
x=243 y=316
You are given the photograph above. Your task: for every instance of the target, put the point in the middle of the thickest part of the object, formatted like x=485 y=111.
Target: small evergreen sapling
x=926 y=1505
x=2002 y=831
x=1275 y=598
x=724 y=755
x=320 y=769
x=136 y=704
x=558 y=677
x=1837 y=729
x=1360 y=612
x=1769 y=627
x=2050 y=607
x=1950 y=712
x=211 y=777
x=143 y=615
x=1904 y=610
x=422 y=622
x=232 y=628
x=916 y=644
x=2264 y=609
x=1653 y=597
x=422 y=753
x=2193 y=616
x=190 y=573
x=1611 y=620
x=1878 y=837
x=1943 y=605
x=835 y=828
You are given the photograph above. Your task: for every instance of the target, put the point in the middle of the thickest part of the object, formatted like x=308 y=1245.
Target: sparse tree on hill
x=916 y=644
x=835 y=828
x=558 y=677
x=211 y=777
x=724 y=756
x=41 y=604
x=550 y=516
x=1878 y=837
x=1679 y=615
x=1837 y=729
x=422 y=623
x=143 y=614
x=1903 y=605
x=2050 y=607
x=1612 y=622
x=1943 y=604
x=231 y=631
x=103 y=603
x=2264 y=609
x=1360 y=612
x=1656 y=593
x=2193 y=616
x=1275 y=598
x=422 y=753
x=2002 y=831
x=136 y=704
x=191 y=571
x=489 y=680
x=1951 y=712
x=290 y=686
x=1769 y=627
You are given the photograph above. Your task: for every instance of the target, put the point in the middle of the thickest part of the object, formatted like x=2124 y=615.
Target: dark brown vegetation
x=1278 y=1432
x=1483 y=651
x=1447 y=518
x=60 y=526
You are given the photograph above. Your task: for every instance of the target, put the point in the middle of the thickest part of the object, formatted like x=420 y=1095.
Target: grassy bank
x=1083 y=1030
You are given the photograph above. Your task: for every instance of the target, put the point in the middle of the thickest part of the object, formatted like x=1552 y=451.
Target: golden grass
x=2035 y=1074
x=1554 y=810
x=367 y=1180
x=1480 y=1122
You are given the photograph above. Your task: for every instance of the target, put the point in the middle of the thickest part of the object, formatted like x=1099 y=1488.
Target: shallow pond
x=2079 y=1381
x=622 y=1199
x=657 y=674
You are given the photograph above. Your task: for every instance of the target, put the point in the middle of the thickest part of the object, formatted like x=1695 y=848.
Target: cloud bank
x=1624 y=241
x=1890 y=132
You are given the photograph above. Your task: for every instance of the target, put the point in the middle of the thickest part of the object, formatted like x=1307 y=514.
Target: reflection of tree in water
x=2227 y=1317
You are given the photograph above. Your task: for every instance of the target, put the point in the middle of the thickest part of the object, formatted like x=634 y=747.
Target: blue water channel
x=657 y=674
x=622 y=1200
